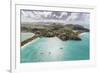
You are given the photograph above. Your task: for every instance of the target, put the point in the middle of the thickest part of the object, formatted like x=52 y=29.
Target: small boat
x=61 y=48
x=41 y=53
x=49 y=52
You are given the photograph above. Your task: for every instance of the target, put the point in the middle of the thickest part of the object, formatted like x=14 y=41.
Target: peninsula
x=63 y=32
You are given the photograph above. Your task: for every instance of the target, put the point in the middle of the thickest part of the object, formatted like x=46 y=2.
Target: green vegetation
x=64 y=32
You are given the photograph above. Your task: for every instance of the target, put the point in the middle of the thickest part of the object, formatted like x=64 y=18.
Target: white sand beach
x=30 y=42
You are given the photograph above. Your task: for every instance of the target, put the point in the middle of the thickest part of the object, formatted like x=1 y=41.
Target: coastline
x=30 y=42
x=81 y=34
x=26 y=35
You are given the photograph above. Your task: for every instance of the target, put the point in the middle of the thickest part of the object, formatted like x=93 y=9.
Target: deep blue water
x=54 y=49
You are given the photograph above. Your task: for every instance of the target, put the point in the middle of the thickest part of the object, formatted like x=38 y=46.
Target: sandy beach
x=29 y=43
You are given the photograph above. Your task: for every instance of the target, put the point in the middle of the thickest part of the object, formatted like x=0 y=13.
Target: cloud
x=30 y=15
x=63 y=14
x=55 y=16
x=72 y=17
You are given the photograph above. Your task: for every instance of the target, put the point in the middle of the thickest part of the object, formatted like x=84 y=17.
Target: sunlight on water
x=54 y=49
x=53 y=46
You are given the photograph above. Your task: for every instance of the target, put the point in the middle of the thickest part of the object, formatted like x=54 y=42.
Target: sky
x=66 y=17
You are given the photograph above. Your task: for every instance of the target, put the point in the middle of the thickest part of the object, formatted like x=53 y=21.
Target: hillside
x=64 y=32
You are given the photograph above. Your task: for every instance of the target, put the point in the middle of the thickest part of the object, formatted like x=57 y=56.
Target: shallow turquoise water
x=53 y=49
x=25 y=36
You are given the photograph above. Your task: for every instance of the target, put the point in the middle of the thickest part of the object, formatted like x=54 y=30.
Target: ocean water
x=26 y=35
x=54 y=49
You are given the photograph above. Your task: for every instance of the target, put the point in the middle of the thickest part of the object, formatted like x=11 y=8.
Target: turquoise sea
x=54 y=49
x=25 y=36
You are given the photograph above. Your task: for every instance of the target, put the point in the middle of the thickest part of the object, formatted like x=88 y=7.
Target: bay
x=54 y=49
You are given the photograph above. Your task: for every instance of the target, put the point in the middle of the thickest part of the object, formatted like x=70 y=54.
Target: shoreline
x=30 y=42
x=81 y=34
x=25 y=34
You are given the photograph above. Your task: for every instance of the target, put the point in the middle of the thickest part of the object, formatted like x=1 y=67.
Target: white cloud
x=73 y=16
x=29 y=16
x=42 y=16
x=63 y=14
x=45 y=14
